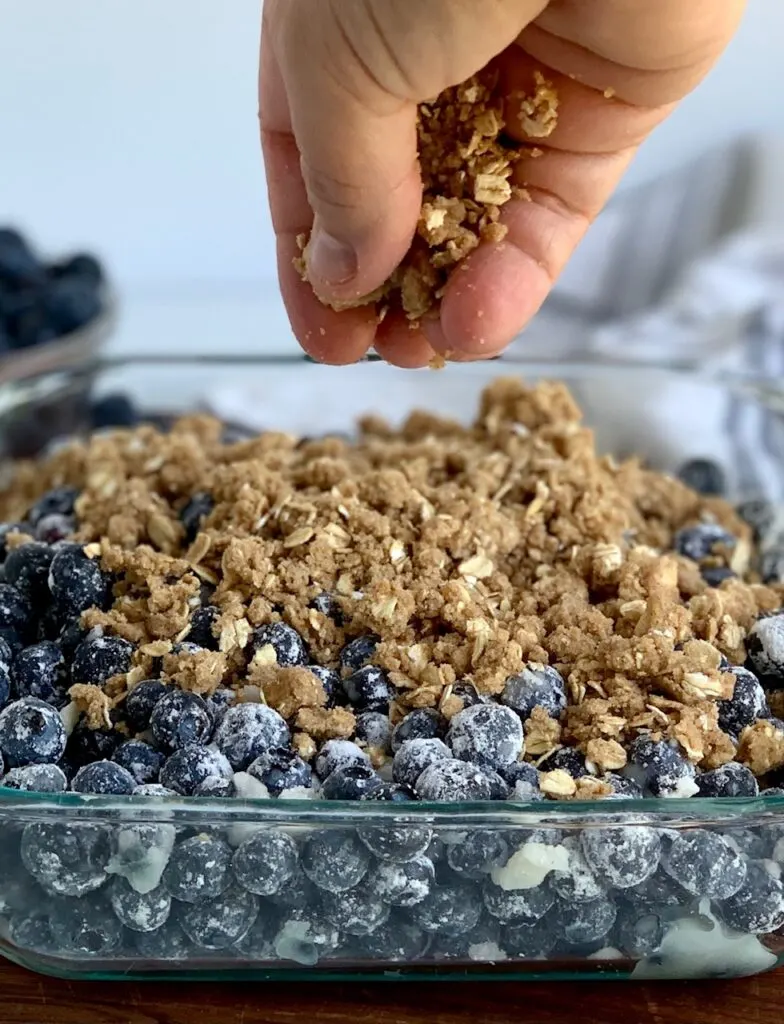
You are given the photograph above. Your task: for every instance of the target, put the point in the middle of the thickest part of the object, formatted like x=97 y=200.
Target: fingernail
x=330 y=260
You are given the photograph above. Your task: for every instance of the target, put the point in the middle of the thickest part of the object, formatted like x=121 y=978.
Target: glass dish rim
x=764 y=389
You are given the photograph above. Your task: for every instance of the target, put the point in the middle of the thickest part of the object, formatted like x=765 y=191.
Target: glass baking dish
x=520 y=918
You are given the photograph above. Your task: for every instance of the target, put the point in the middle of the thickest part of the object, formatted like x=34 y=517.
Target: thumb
x=354 y=72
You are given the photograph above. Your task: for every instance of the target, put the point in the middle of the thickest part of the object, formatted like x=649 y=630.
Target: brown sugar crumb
x=304 y=745
x=761 y=747
x=337 y=723
x=200 y=671
x=542 y=733
x=466 y=167
x=288 y=690
x=93 y=703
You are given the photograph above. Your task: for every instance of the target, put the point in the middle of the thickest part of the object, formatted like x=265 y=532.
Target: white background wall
x=130 y=126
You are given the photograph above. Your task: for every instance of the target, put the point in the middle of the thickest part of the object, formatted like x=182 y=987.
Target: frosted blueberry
x=220 y=922
x=623 y=788
x=480 y=944
x=36 y=778
x=201 y=632
x=356 y=912
x=77 y=582
x=29 y=929
x=660 y=769
x=577 y=882
x=488 y=735
x=357 y=653
x=583 y=924
x=84 y=927
x=305 y=938
x=478 y=852
x=137 y=911
x=395 y=941
x=249 y=730
x=765 y=645
x=280 y=770
x=265 y=862
x=31 y=732
x=456 y=781
x=567 y=759
x=468 y=694
x=414 y=756
x=523 y=779
x=329 y=680
x=704 y=476
x=731 y=779
x=191 y=765
x=40 y=671
x=374 y=730
x=256 y=943
x=351 y=783
x=759 y=514
x=199 y=868
x=216 y=787
x=406 y=884
x=698 y=542
x=298 y=894
x=140 y=759
x=98 y=658
x=141 y=701
x=448 y=910
x=334 y=860
x=660 y=890
x=421 y=724
x=394 y=840
x=86 y=745
x=328 y=604
x=517 y=904
x=758 y=906
x=536 y=686
x=368 y=689
x=59 y=501
x=179 y=719
x=16 y=614
x=621 y=857
x=104 y=777
x=704 y=863
x=66 y=859
x=193 y=512
x=338 y=754
x=27 y=568
x=526 y=940
x=639 y=933
x=169 y=942
x=141 y=852
x=747 y=704
x=285 y=641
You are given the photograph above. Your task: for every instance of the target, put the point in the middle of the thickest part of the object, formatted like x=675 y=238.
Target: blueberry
x=698 y=542
x=199 y=868
x=201 y=632
x=339 y=754
x=77 y=582
x=66 y=859
x=192 y=764
x=747 y=704
x=219 y=703
x=753 y=843
x=468 y=694
x=639 y=933
x=27 y=569
x=31 y=732
x=113 y=411
x=369 y=689
x=517 y=904
x=40 y=671
x=487 y=735
x=69 y=638
x=217 y=788
x=168 y=942
x=525 y=940
x=523 y=779
x=98 y=658
x=568 y=760
x=179 y=719
x=414 y=756
x=16 y=614
x=18 y=264
x=404 y=884
x=249 y=730
x=60 y=501
x=257 y=942
x=759 y=514
x=36 y=778
x=395 y=941
x=659 y=768
x=584 y=924
x=285 y=641
x=55 y=528
x=623 y=788
x=703 y=476
x=220 y=922
x=5 y=684
x=536 y=686
x=455 y=781
x=328 y=604
x=421 y=724
x=765 y=645
x=478 y=852
x=305 y=938
x=704 y=863
x=374 y=730
x=141 y=701
x=334 y=860
x=731 y=779
x=88 y=745
x=771 y=564
x=448 y=910
x=7 y=653
x=358 y=653
x=141 y=912
x=141 y=852
x=265 y=861
x=71 y=304
x=358 y=911
x=758 y=906
x=83 y=266
x=140 y=759
x=104 y=777
x=280 y=770
x=621 y=857
x=330 y=680
x=577 y=882
x=299 y=893
x=83 y=928
x=193 y=512
x=394 y=840
x=29 y=929
x=351 y=783
x=659 y=890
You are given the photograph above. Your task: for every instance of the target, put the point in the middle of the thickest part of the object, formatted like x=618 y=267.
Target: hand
x=339 y=86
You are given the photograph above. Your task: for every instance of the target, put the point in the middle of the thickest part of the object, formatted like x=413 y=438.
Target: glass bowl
x=65 y=859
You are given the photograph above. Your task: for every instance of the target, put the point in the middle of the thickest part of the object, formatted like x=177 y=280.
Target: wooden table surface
x=29 y=999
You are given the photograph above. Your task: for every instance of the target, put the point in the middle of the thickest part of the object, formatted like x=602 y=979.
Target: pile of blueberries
x=39 y=301
x=165 y=883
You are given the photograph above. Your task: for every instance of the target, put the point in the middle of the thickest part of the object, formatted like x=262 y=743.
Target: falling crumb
x=539 y=112
x=608 y=93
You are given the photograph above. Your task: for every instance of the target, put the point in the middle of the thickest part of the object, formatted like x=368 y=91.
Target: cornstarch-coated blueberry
x=60 y=501
x=526 y=940
x=141 y=852
x=517 y=904
x=481 y=944
x=395 y=941
x=338 y=754
x=305 y=938
x=84 y=927
x=54 y=528
x=199 y=869
x=421 y=724
x=457 y=781
x=191 y=765
x=299 y=893
x=288 y=645
x=265 y=862
x=221 y=922
x=660 y=769
x=216 y=787
x=394 y=840
x=86 y=745
x=698 y=542
x=328 y=604
x=731 y=779
x=448 y=910
x=257 y=942
x=578 y=882
x=140 y=759
x=765 y=645
x=623 y=788
x=536 y=686
x=758 y=906
x=704 y=476
x=330 y=680
x=356 y=912
x=29 y=929
x=98 y=658
x=219 y=703
x=249 y=730
x=468 y=694
x=7 y=653
x=414 y=756
x=66 y=859
x=281 y=769
x=69 y=638
x=753 y=843
x=36 y=778
x=168 y=942
x=180 y=719
x=374 y=730
x=567 y=759
x=5 y=684
x=140 y=702
x=639 y=933
x=621 y=857
x=16 y=614
x=368 y=689
x=584 y=923
x=40 y=671
x=141 y=912
x=358 y=653
x=404 y=884
x=478 y=852
x=27 y=568
x=660 y=890
x=334 y=860
x=704 y=864
x=488 y=735
x=523 y=780
x=747 y=704
x=193 y=512
x=202 y=621
x=104 y=777
x=31 y=732
x=351 y=783
x=77 y=582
